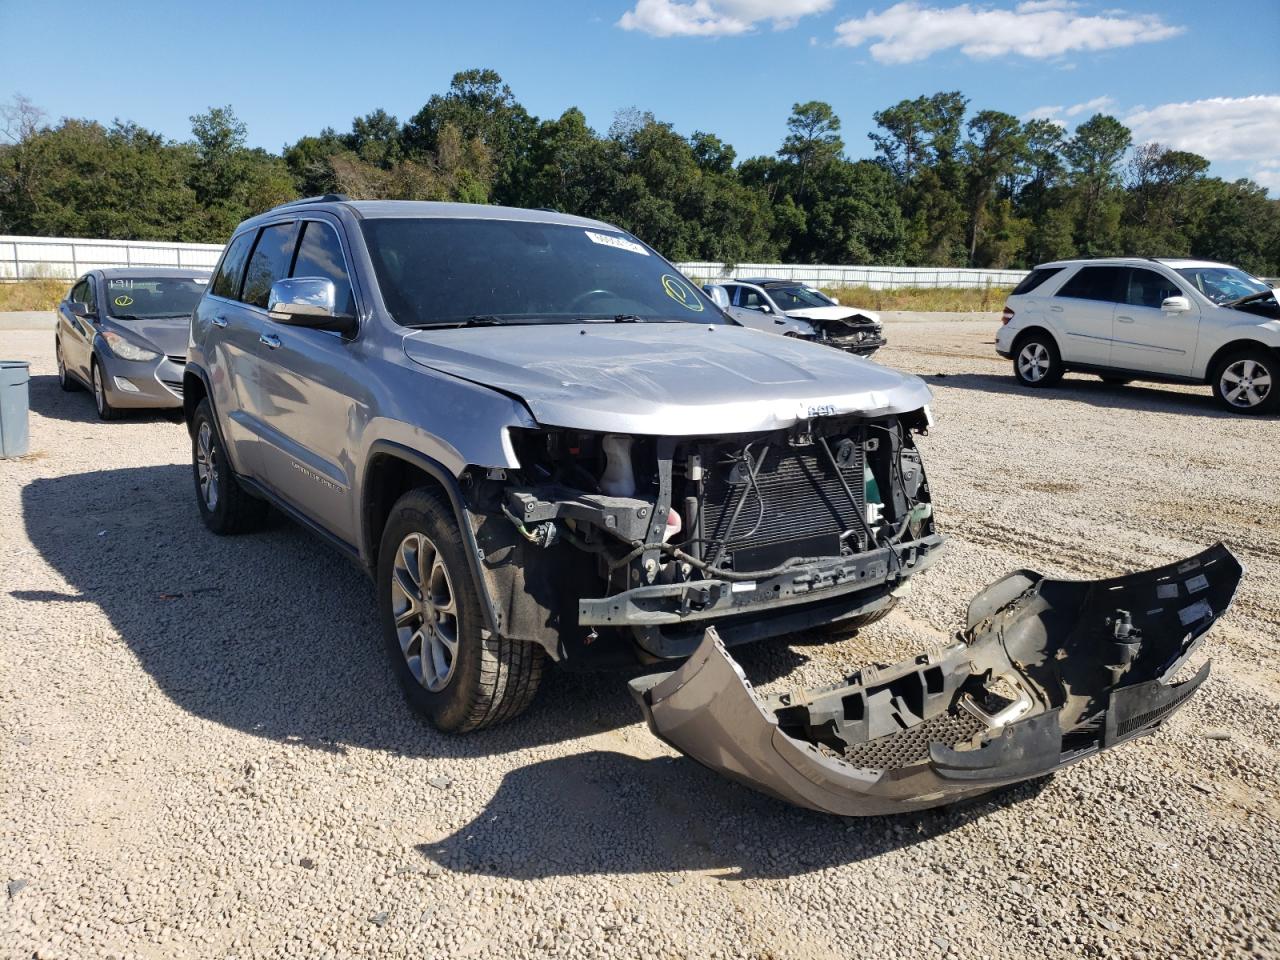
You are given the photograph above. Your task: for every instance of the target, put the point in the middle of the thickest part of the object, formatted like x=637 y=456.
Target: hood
x=666 y=379
x=168 y=335
x=834 y=313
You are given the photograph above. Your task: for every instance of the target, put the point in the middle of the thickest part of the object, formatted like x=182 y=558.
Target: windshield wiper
x=1248 y=297
x=623 y=318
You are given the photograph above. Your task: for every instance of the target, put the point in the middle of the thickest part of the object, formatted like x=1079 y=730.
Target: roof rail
x=327 y=198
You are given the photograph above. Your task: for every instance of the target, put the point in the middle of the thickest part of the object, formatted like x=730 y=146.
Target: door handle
x=270 y=339
x=219 y=321
x=1124 y=319
x=1056 y=309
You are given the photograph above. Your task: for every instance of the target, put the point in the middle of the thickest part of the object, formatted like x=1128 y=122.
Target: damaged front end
x=642 y=542
x=856 y=333
x=1046 y=673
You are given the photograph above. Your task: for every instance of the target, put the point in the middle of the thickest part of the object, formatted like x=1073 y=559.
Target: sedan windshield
x=1222 y=284
x=147 y=298
x=798 y=298
x=460 y=272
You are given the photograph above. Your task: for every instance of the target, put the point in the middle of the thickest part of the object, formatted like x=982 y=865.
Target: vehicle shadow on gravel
x=1135 y=396
x=49 y=400
x=272 y=633
x=602 y=812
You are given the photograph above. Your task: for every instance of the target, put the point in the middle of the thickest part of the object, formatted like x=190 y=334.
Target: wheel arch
x=1035 y=328
x=194 y=389
x=390 y=471
x=1236 y=346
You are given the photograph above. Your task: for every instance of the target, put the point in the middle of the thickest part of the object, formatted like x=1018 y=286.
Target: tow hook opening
x=1046 y=673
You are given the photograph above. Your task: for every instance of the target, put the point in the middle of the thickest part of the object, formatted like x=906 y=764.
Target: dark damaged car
x=544 y=443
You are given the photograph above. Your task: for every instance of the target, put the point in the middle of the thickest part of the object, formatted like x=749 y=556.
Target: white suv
x=1175 y=321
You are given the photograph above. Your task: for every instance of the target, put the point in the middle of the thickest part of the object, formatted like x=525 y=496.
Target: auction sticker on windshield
x=680 y=292
x=618 y=243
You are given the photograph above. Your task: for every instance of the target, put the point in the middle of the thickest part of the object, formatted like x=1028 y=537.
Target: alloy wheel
x=425 y=608
x=207 y=465
x=1245 y=383
x=1033 y=362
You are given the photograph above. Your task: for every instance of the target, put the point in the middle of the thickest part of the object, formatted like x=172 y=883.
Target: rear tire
x=450 y=672
x=1036 y=361
x=100 y=399
x=1247 y=381
x=225 y=506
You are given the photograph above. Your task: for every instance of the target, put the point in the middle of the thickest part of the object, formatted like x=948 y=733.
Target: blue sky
x=1198 y=75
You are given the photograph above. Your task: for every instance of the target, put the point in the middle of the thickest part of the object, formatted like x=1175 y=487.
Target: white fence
x=22 y=258
x=27 y=257
x=877 y=278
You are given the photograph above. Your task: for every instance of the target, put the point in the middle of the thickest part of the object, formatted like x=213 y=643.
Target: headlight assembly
x=126 y=349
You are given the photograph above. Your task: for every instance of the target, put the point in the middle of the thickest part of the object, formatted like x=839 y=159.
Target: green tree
x=479 y=106
x=995 y=154
x=812 y=141
x=1093 y=156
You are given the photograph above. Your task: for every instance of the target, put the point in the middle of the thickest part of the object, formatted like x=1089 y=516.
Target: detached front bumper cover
x=1047 y=672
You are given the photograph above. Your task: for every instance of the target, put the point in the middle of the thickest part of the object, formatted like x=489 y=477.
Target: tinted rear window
x=1094 y=283
x=1036 y=277
x=227 y=282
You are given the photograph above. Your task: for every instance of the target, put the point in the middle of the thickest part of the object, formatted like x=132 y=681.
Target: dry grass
x=948 y=299
x=32 y=294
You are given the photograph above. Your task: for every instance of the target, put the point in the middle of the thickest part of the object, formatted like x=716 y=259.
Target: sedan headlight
x=126 y=349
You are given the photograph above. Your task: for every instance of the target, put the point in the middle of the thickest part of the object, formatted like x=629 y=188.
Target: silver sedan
x=122 y=333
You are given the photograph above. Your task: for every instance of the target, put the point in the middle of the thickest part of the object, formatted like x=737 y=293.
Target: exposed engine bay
x=652 y=538
x=854 y=333
x=1046 y=673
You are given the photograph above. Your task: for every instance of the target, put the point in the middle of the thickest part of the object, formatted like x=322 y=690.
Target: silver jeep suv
x=542 y=441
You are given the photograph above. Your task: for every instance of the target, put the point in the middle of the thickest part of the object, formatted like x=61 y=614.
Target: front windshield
x=148 y=298
x=798 y=298
x=441 y=272
x=1222 y=284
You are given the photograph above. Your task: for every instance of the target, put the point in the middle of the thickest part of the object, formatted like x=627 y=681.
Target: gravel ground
x=203 y=752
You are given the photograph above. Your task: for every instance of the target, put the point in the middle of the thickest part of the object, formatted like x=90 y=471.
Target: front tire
x=65 y=380
x=1036 y=361
x=1246 y=381
x=449 y=670
x=225 y=506
x=100 y=399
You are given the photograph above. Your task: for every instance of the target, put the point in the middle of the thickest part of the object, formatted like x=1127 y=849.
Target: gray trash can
x=14 y=402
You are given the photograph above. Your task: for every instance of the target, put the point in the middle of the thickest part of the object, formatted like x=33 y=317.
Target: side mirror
x=80 y=310
x=765 y=308
x=719 y=295
x=1176 y=305
x=308 y=302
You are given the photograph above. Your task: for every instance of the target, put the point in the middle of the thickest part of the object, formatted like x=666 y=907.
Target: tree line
x=946 y=186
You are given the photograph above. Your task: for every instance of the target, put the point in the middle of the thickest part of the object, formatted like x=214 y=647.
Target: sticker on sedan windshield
x=123 y=301
x=618 y=243
x=681 y=293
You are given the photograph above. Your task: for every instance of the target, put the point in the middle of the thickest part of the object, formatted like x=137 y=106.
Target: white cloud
x=1058 y=113
x=1096 y=105
x=907 y=32
x=716 y=18
x=1220 y=128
